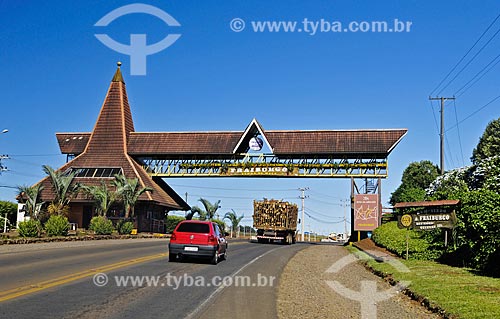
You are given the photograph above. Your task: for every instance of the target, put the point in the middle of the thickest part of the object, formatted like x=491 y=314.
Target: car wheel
x=172 y=257
x=215 y=258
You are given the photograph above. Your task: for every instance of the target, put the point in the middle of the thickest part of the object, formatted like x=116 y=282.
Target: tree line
x=476 y=237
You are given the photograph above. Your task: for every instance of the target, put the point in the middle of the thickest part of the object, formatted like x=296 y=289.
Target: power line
x=322 y=221
x=7 y=186
x=434 y=115
x=473 y=113
x=465 y=55
x=37 y=155
x=22 y=174
x=458 y=134
x=473 y=83
x=320 y=201
x=470 y=61
x=217 y=196
x=232 y=197
x=25 y=162
x=314 y=192
x=476 y=76
x=320 y=214
x=237 y=189
x=449 y=159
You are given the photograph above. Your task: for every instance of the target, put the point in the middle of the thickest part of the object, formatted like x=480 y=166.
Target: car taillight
x=211 y=239
x=173 y=237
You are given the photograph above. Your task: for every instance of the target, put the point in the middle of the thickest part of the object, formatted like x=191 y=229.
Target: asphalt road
x=94 y=280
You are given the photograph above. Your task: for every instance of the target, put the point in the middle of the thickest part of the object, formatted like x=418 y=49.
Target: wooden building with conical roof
x=105 y=154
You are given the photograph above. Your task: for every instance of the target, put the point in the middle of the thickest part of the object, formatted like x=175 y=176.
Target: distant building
x=101 y=154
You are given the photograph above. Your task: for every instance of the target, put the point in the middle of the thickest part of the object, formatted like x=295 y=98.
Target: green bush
x=57 y=226
x=124 y=227
x=171 y=222
x=9 y=209
x=30 y=228
x=476 y=233
x=420 y=244
x=101 y=225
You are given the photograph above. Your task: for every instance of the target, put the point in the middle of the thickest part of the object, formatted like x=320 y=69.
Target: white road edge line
x=220 y=288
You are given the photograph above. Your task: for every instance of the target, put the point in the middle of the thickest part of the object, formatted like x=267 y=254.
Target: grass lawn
x=458 y=291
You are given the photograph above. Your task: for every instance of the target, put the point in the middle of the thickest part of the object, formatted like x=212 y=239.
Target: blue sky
x=55 y=73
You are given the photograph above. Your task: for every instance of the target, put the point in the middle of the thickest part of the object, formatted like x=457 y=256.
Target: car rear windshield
x=193 y=228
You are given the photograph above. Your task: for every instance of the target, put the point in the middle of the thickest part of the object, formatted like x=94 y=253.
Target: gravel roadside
x=306 y=289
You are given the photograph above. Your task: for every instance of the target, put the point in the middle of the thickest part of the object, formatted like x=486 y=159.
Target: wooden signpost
x=427 y=215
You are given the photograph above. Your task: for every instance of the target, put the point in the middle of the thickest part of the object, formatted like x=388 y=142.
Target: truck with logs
x=275 y=220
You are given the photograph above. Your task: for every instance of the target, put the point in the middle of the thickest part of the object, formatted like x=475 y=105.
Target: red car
x=195 y=238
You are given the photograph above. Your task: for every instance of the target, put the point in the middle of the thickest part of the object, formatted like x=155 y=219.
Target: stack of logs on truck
x=275 y=220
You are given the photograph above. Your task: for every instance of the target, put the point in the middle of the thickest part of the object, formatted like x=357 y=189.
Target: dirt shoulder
x=317 y=280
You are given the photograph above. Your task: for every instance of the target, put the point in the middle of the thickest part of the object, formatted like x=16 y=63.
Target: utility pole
x=441 y=134
x=344 y=205
x=303 y=210
x=3 y=168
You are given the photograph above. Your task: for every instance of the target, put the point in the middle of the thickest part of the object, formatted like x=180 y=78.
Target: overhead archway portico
x=321 y=153
x=114 y=147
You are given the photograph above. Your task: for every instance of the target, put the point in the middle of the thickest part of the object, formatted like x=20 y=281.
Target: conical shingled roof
x=114 y=124
x=107 y=148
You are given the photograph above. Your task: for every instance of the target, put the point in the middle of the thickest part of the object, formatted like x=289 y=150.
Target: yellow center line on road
x=22 y=291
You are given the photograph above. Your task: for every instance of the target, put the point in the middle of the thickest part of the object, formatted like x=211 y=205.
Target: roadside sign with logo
x=428 y=215
x=428 y=219
x=405 y=221
x=432 y=221
x=366 y=212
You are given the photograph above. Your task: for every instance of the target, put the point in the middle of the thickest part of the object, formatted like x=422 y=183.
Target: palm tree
x=129 y=191
x=30 y=197
x=207 y=213
x=103 y=197
x=196 y=210
x=63 y=188
x=234 y=219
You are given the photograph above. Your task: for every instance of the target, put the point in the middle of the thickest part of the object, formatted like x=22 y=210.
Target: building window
x=95 y=172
